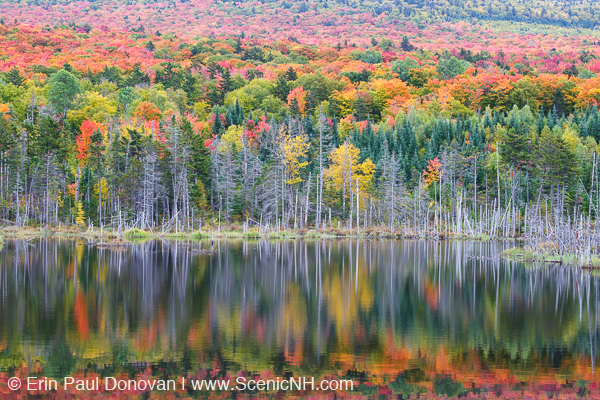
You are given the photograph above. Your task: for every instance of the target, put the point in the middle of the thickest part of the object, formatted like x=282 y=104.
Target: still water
x=395 y=317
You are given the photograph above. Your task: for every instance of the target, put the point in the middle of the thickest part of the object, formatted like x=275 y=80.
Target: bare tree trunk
x=357 y=208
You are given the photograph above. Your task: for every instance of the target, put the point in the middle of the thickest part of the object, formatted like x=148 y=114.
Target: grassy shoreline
x=524 y=254
x=223 y=233
x=232 y=231
x=112 y=238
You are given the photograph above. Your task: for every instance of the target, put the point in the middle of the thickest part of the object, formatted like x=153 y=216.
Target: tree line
x=477 y=174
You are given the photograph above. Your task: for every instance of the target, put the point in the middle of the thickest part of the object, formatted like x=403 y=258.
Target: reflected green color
x=411 y=316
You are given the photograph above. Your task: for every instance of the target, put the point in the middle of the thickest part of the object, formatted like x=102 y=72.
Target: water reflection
x=446 y=317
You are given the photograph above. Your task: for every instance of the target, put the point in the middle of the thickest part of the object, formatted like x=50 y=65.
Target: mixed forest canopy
x=376 y=119
x=577 y=14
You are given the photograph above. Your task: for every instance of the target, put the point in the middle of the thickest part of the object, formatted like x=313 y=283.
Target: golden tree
x=345 y=170
x=293 y=150
x=80 y=215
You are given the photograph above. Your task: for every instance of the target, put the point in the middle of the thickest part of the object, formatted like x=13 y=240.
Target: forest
x=573 y=14
x=492 y=135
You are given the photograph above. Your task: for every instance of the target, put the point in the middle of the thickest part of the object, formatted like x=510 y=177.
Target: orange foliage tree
x=83 y=140
x=297 y=98
x=148 y=111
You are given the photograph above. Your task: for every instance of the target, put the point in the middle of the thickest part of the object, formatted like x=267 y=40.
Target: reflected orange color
x=442 y=360
x=145 y=339
x=377 y=327
x=296 y=355
x=80 y=315
x=431 y=295
x=70 y=270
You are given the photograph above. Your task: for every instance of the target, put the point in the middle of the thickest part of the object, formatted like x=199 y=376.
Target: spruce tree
x=282 y=88
x=225 y=83
x=405 y=45
x=290 y=74
x=217 y=124
x=14 y=76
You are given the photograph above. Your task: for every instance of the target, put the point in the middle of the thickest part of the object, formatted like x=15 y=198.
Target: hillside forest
x=491 y=133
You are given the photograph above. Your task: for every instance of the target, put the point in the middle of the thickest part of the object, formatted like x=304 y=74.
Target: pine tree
x=136 y=76
x=92 y=77
x=294 y=107
x=235 y=114
x=515 y=150
x=290 y=74
x=224 y=85
x=282 y=88
x=540 y=121
x=126 y=97
x=14 y=76
x=557 y=161
x=405 y=45
x=217 y=125
x=407 y=148
x=199 y=155
x=213 y=95
x=551 y=119
x=361 y=108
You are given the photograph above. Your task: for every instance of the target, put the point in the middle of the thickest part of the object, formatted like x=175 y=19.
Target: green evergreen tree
x=290 y=74
x=282 y=88
x=556 y=160
x=136 y=76
x=225 y=83
x=235 y=114
x=126 y=97
x=405 y=45
x=294 y=107
x=217 y=125
x=14 y=76
x=200 y=161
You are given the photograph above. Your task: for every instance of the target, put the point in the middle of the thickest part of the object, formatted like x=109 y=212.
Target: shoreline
x=233 y=232
x=526 y=255
x=109 y=238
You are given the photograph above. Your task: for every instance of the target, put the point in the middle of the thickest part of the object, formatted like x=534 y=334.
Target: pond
x=394 y=317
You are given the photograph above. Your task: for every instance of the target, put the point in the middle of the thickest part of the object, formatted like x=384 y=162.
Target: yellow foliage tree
x=94 y=107
x=387 y=90
x=80 y=217
x=202 y=109
x=101 y=190
x=200 y=197
x=345 y=170
x=293 y=149
x=345 y=101
x=231 y=139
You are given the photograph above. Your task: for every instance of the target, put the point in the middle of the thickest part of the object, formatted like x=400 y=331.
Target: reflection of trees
x=315 y=307
x=137 y=300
